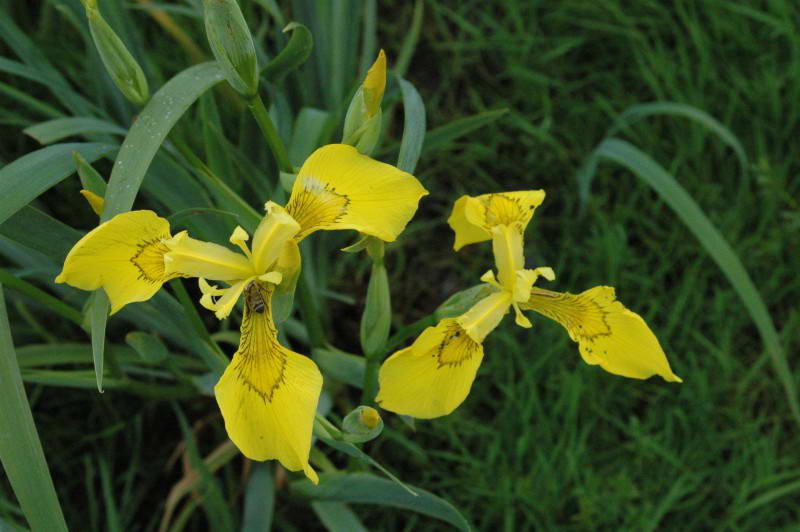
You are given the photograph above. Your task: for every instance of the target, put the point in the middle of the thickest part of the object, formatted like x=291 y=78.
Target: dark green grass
x=545 y=442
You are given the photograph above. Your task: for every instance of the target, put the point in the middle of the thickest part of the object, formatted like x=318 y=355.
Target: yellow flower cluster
x=268 y=394
x=434 y=375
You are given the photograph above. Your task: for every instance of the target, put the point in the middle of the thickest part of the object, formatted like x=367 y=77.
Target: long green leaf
x=149 y=131
x=639 y=112
x=337 y=517
x=653 y=174
x=138 y=150
x=633 y=114
x=363 y=488
x=442 y=136
x=26 y=178
x=41 y=232
x=22 y=456
x=259 y=499
x=61 y=128
x=413 y=127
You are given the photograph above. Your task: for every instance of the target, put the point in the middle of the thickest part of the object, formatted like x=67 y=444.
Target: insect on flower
x=254 y=298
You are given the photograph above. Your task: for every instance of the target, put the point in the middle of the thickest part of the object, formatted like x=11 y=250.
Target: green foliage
x=517 y=95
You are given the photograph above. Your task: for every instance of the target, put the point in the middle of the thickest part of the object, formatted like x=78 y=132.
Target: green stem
x=370 y=380
x=308 y=309
x=271 y=135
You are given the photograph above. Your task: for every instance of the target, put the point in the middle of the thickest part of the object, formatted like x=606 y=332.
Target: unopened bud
x=120 y=64
x=362 y=424
x=232 y=44
x=377 y=318
x=362 y=124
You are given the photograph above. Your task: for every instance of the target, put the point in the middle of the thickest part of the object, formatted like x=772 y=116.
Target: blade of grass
x=22 y=456
x=410 y=42
x=654 y=175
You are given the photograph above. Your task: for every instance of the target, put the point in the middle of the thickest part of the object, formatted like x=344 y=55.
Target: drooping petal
x=374 y=85
x=275 y=229
x=607 y=333
x=339 y=188
x=473 y=217
x=196 y=258
x=124 y=256
x=268 y=394
x=433 y=376
x=485 y=315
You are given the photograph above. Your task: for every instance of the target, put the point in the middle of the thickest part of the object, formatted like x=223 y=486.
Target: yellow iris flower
x=268 y=394
x=433 y=376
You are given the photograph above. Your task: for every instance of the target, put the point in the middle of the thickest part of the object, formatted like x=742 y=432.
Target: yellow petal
x=608 y=334
x=473 y=218
x=196 y=258
x=268 y=394
x=526 y=279
x=95 y=202
x=221 y=300
x=275 y=229
x=124 y=256
x=434 y=375
x=339 y=188
x=239 y=238
x=374 y=85
x=288 y=265
x=508 y=255
x=485 y=315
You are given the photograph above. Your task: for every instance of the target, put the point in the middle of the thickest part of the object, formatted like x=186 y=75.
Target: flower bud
x=362 y=424
x=120 y=64
x=362 y=124
x=232 y=44
x=377 y=318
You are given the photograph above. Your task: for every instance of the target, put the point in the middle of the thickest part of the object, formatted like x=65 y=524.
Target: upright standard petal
x=196 y=258
x=473 y=217
x=607 y=333
x=433 y=376
x=339 y=188
x=124 y=256
x=275 y=229
x=268 y=394
x=508 y=254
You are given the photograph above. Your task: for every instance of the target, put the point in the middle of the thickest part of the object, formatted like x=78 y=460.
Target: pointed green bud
x=362 y=424
x=377 y=318
x=120 y=64
x=362 y=124
x=232 y=45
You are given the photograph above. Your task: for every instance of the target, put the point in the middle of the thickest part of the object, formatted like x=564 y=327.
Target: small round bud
x=362 y=424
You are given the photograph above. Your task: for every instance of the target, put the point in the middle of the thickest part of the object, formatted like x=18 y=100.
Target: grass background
x=543 y=441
